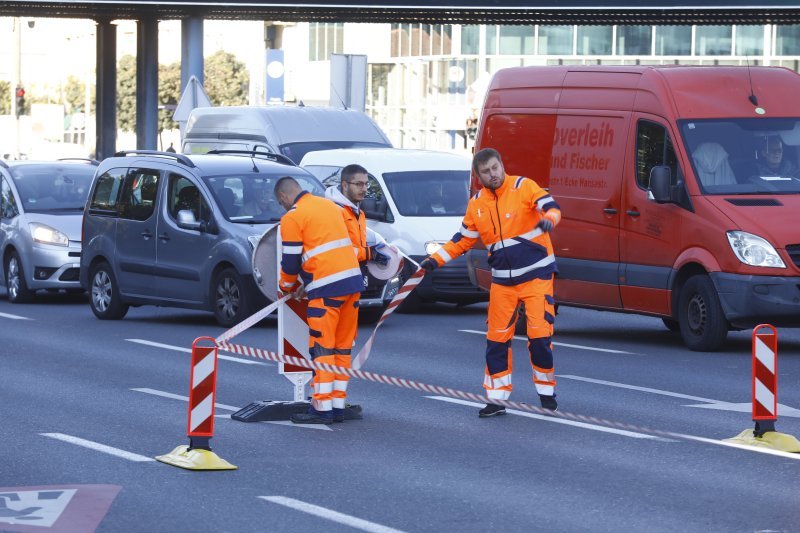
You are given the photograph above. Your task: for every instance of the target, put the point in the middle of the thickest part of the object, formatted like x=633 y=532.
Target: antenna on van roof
x=752 y=97
x=341 y=100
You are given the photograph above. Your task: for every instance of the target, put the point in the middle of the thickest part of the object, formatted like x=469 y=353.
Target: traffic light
x=20 y=94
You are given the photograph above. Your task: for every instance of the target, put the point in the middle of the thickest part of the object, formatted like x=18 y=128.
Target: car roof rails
x=94 y=162
x=181 y=158
x=261 y=154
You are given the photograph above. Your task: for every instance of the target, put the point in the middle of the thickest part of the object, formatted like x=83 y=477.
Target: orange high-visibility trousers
x=537 y=295
x=332 y=326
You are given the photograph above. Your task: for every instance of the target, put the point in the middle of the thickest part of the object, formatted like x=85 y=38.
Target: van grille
x=794 y=252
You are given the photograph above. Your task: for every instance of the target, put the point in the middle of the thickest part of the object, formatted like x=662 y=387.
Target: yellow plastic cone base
x=771 y=439
x=182 y=457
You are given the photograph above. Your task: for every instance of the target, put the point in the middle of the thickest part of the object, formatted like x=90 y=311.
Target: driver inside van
x=770 y=158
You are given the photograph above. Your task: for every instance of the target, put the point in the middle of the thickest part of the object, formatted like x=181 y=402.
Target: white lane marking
x=14 y=317
x=99 y=447
x=189 y=350
x=757 y=449
x=231 y=408
x=708 y=403
x=584 y=425
x=564 y=344
x=329 y=514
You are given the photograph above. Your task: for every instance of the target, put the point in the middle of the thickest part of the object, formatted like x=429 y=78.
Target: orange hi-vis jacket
x=316 y=247
x=355 y=220
x=505 y=219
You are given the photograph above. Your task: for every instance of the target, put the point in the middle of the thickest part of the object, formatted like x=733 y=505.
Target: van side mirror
x=377 y=209
x=186 y=220
x=661 y=184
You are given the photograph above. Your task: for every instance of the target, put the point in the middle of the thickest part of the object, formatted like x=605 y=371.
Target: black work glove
x=546 y=225
x=376 y=256
x=428 y=264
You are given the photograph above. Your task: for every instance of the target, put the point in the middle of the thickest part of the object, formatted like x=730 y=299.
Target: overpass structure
x=193 y=12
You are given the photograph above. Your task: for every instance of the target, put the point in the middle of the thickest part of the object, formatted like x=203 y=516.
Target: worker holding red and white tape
x=513 y=216
x=318 y=260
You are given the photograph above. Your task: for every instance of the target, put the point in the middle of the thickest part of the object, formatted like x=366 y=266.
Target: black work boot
x=312 y=417
x=492 y=409
x=549 y=402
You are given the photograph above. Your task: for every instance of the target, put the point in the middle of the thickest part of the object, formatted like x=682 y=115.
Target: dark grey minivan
x=179 y=230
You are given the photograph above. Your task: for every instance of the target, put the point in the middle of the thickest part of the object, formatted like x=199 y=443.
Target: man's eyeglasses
x=359 y=184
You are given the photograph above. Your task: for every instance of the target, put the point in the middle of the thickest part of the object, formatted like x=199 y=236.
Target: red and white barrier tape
x=408 y=286
x=446 y=391
x=252 y=319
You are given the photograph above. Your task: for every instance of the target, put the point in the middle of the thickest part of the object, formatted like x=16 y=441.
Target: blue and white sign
x=275 y=71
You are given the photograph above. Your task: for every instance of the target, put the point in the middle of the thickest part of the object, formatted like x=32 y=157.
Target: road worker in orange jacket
x=318 y=260
x=513 y=217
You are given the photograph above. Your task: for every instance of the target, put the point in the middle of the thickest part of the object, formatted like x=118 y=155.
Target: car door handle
x=633 y=212
x=146 y=234
x=163 y=237
x=610 y=211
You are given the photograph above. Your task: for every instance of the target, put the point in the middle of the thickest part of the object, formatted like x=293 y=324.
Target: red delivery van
x=679 y=188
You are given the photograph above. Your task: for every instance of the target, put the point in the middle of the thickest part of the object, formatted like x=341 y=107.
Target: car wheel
x=104 y=297
x=231 y=303
x=672 y=325
x=702 y=323
x=16 y=286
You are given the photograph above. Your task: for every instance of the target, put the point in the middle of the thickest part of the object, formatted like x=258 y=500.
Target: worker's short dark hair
x=351 y=170
x=482 y=156
x=286 y=184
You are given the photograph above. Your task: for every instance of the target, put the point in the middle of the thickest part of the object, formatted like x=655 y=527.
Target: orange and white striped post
x=765 y=378
x=200 y=425
x=202 y=394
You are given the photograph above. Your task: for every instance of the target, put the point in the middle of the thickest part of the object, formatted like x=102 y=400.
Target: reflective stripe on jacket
x=505 y=220
x=316 y=247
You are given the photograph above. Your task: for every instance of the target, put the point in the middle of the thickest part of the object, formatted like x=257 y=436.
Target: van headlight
x=753 y=250
x=47 y=235
x=431 y=247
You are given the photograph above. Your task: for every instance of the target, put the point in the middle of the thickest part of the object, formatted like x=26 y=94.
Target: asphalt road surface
x=86 y=405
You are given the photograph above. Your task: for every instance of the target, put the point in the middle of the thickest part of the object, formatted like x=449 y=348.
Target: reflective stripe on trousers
x=537 y=295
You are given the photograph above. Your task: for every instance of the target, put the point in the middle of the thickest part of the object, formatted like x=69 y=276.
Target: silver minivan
x=41 y=207
x=179 y=230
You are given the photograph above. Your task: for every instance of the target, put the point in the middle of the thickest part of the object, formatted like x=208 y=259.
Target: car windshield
x=250 y=198
x=429 y=193
x=53 y=187
x=744 y=156
x=297 y=151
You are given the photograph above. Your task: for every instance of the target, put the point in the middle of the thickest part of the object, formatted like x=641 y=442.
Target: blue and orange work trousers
x=332 y=326
x=504 y=300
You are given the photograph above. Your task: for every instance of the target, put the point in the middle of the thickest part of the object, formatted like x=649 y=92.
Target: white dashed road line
x=329 y=514
x=565 y=345
x=14 y=317
x=189 y=350
x=99 y=447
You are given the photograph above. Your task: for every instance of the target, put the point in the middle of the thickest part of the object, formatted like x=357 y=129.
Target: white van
x=416 y=201
x=288 y=130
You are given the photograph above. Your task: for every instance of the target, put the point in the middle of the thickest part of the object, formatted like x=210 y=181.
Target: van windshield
x=429 y=193
x=250 y=198
x=744 y=156
x=297 y=151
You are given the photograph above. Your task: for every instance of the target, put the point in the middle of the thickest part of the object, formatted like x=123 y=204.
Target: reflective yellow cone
x=771 y=439
x=196 y=459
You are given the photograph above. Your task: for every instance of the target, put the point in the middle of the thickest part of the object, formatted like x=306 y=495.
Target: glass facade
x=421 y=40
x=713 y=40
x=325 y=39
x=787 y=40
x=470 y=40
x=634 y=40
x=749 y=40
x=555 y=40
x=595 y=40
x=673 y=40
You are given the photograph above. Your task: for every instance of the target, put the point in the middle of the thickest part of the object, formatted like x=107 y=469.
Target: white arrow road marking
x=330 y=514
x=189 y=350
x=565 y=345
x=14 y=317
x=584 y=425
x=708 y=403
x=99 y=447
x=163 y=394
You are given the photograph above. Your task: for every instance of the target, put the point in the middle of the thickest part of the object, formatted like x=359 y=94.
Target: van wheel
x=231 y=303
x=671 y=324
x=702 y=323
x=104 y=297
x=16 y=286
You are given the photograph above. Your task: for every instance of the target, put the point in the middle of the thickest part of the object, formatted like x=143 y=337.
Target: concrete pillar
x=147 y=84
x=106 y=94
x=191 y=50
